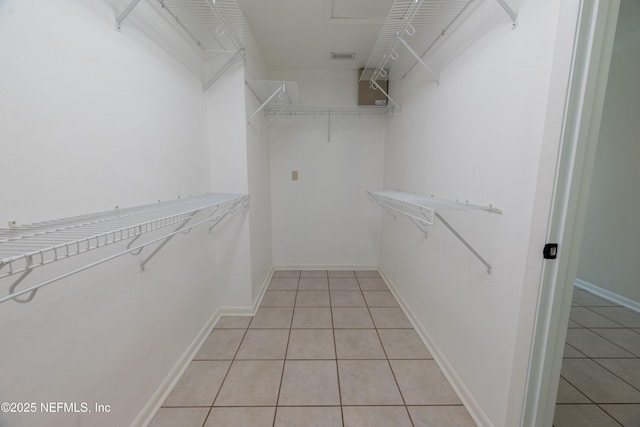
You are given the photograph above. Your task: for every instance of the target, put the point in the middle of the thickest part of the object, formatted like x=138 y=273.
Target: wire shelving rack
x=25 y=248
x=414 y=26
x=422 y=212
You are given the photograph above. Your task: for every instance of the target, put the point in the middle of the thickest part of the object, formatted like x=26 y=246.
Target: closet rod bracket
x=512 y=14
x=420 y=60
x=120 y=18
x=164 y=242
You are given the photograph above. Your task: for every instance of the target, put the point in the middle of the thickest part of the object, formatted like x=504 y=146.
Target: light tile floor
x=600 y=377
x=325 y=349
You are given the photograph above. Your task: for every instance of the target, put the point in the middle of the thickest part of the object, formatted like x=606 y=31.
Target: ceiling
x=301 y=34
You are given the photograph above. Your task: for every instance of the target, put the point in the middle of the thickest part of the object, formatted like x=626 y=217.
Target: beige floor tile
x=380 y=299
x=351 y=317
x=627 y=369
x=590 y=319
x=587 y=299
x=358 y=344
x=184 y=417
x=372 y=284
x=313 y=273
x=627 y=415
x=593 y=345
x=283 y=284
x=251 y=383
x=573 y=324
x=621 y=315
x=279 y=299
x=600 y=385
x=569 y=394
x=403 y=344
x=440 y=416
x=341 y=273
x=309 y=383
x=582 y=416
x=233 y=322
x=311 y=344
x=422 y=383
x=389 y=317
x=376 y=416
x=264 y=344
x=343 y=284
x=347 y=299
x=313 y=284
x=367 y=273
x=245 y=417
x=572 y=353
x=272 y=318
x=368 y=382
x=625 y=338
x=313 y=299
x=305 y=416
x=221 y=344
x=286 y=273
x=199 y=384
x=312 y=318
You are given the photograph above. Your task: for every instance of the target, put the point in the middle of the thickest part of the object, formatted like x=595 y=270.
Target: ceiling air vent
x=343 y=55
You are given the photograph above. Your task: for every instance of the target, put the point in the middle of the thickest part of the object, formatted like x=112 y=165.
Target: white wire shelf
x=422 y=212
x=214 y=25
x=413 y=27
x=25 y=248
x=322 y=112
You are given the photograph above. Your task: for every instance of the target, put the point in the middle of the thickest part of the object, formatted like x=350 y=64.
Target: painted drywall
x=324 y=218
x=611 y=241
x=483 y=135
x=91 y=118
x=259 y=175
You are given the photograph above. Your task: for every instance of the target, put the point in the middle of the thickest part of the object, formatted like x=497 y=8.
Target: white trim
x=471 y=405
x=263 y=290
x=590 y=67
x=608 y=295
x=151 y=408
x=327 y=267
x=149 y=411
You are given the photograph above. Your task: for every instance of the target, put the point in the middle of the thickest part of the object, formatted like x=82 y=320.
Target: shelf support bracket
x=231 y=210
x=12 y=289
x=226 y=67
x=120 y=18
x=455 y=233
x=510 y=12
x=377 y=86
x=164 y=242
x=264 y=104
x=419 y=59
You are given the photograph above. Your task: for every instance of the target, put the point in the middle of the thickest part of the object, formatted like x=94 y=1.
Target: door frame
x=581 y=127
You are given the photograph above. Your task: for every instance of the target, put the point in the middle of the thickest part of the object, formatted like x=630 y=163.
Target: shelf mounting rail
x=422 y=212
x=25 y=248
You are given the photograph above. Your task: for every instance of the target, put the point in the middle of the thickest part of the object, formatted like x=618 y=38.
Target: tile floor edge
x=152 y=407
x=306 y=267
x=472 y=406
x=145 y=416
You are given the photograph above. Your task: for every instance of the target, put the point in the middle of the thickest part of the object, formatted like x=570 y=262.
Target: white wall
x=259 y=175
x=611 y=242
x=477 y=136
x=90 y=118
x=324 y=219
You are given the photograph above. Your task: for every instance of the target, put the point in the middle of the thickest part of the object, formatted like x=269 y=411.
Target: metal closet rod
x=130 y=250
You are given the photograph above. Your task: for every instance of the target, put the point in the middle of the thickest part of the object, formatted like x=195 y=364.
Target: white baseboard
x=325 y=267
x=472 y=406
x=151 y=408
x=608 y=295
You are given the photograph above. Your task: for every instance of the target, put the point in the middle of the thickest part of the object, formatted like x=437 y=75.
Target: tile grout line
x=284 y=360
x=335 y=349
